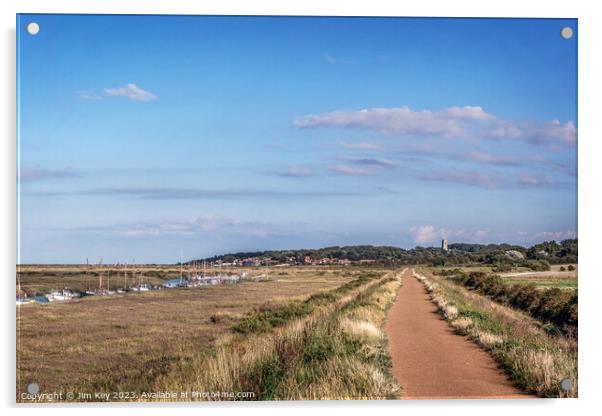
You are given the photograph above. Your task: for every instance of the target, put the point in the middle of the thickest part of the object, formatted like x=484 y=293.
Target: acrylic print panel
x=268 y=208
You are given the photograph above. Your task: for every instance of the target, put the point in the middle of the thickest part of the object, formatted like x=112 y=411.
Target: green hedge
x=549 y=305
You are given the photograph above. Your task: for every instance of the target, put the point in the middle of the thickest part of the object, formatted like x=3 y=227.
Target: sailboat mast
x=181 y=255
x=100 y=276
x=88 y=278
x=19 y=281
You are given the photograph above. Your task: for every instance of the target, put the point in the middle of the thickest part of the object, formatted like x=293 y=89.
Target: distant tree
x=538 y=265
x=538 y=257
x=438 y=262
x=502 y=268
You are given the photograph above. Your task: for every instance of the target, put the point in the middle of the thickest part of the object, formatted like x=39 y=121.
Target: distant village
x=291 y=261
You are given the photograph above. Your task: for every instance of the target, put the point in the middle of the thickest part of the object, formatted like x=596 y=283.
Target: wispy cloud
x=427 y=151
x=39 y=173
x=360 y=146
x=491 y=180
x=362 y=166
x=188 y=193
x=352 y=170
x=328 y=58
x=537 y=181
x=89 y=95
x=333 y=59
x=471 y=178
x=490 y=159
x=197 y=225
x=469 y=122
x=400 y=120
x=387 y=190
x=296 y=171
x=131 y=92
x=557 y=235
x=201 y=225
x=373 y=161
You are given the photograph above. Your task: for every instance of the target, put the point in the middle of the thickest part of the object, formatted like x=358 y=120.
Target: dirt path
x=430 y=360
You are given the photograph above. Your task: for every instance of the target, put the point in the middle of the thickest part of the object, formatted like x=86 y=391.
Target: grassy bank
x=328 y=346
x=553 y=306
x=535 y=359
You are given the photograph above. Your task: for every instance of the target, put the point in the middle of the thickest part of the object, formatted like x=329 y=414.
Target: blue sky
x=144 y=135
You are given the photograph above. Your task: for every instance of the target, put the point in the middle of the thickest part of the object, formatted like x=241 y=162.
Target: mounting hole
x=33 y=28
x=33 y=388
x=566 y=384
x=566 y=32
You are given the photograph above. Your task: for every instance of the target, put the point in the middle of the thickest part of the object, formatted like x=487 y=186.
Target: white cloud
x=547 y=132
x=479 y=235
x=401 y=120
x=424 y=234
x=557 y=235
x=131 y=92
x=469 y=122
x=467 y=112
x=429 y=234
x=89 y=95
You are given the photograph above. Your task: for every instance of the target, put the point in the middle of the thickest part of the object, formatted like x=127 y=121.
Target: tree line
x=536 y=257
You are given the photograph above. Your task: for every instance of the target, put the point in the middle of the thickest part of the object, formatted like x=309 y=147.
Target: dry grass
x=487 y=339
x=125 y=342
x=336 y=352
x=536 y=360
x=361 y=329
x=450 y=312
x=224 y=317
x=461 y=324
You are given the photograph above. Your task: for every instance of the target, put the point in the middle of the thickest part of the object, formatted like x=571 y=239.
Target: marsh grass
x=124 y=342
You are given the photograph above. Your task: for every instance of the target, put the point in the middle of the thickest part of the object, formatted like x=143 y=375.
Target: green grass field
x=542 y=280
x=545 y=283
